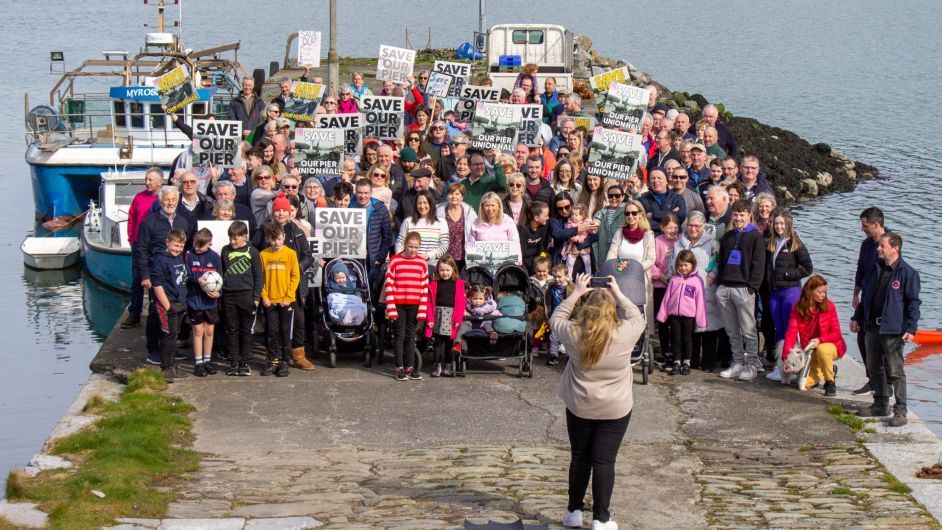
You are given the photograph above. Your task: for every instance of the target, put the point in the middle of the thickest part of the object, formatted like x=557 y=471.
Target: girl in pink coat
x=444 y=311
x=684 y=308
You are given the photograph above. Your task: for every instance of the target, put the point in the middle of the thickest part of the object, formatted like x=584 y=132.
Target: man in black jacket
x=421 y=181
x=537 y=187
x=868 y=262
x=247 y=107
x=665 y=151
x=740 y=268
x=660 y=201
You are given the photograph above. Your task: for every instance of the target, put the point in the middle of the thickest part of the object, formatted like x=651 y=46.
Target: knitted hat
x=280 y=203
x=407 y=154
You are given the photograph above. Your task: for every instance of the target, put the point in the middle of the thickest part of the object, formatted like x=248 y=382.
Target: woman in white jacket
x=433 y=230
x=458 y=217
x=635 y=240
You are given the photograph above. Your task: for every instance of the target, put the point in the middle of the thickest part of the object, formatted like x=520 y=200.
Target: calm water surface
x=859 y=76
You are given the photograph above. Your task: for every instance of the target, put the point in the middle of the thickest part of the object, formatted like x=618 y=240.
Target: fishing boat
x=83 y=132
x=105 y=246
x=50 y=253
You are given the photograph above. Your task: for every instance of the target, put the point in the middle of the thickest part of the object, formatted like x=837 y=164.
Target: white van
x=510 y=46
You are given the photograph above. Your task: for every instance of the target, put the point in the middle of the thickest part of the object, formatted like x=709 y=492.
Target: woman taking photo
x=425 y=222
x=787 y=262
x=517 y=200
x=596 y=389
x=493 y=225
x=458 y=216
x=814 y=322
x=564 y=179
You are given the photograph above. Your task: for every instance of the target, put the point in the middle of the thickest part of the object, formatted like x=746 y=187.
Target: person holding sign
x=494 y=225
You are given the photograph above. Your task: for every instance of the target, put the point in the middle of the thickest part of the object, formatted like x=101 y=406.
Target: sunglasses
x=437 y=128
x=615 y=195
x=631 y=213
x=678 y=177
x=413 y=140
x=563 y=207
x=381 y=175
x=288 y=187
x=264 y=177
x=515 y=185
x=330 y=103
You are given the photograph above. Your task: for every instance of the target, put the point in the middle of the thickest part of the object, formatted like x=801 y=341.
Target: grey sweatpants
x=737 y=307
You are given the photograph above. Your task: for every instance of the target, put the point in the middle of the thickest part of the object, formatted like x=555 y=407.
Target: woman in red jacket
x=814 y=322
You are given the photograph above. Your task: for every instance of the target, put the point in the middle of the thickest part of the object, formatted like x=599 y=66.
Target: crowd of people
x=725 y=264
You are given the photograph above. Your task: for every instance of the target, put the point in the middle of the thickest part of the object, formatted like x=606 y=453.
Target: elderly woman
x=610 y=220
x=379 y=179
x=517 y=200
x=458 y=216
x=494 y=225
x=272 y=113
x=712 y=343
x=263 y=184
x=762 y=215
x=762 y=218
x=592 y=195
x=564 y=179
x=635 y=240
x=425 y=221
x=314 y=193
x=358 y=88
x=561 y=233
x=814 y=322
x=347 y=104
x=596 y=389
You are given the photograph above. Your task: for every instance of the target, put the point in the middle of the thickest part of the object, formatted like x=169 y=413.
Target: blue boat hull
x=64 y=190
x=112 y=268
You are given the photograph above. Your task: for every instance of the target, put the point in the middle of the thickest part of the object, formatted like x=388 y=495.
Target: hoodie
x=741 y=262
x=685 y=297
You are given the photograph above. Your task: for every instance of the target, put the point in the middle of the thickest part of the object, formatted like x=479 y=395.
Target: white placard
x=339 y=233
x=394 y=64
x=217 y=143
x=220 y=230
x=309 y=48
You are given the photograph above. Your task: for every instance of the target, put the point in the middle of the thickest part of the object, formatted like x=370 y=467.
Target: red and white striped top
x=406 y=283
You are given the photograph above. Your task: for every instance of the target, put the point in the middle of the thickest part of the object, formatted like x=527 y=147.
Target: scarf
x=633 y=235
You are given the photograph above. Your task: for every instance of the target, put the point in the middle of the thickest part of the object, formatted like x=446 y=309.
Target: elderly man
x=240 y=183
x=151 y=242
x=479 y=182
x=665 y=151
x=710 y=139
x=284 y=85
x=566 y=125
x=659 y=201
x=752 y=179
x=574 y=106
x=421 y=181
x=699 y=171
x=140 y=208
x=246 y=107
x=678 y=185
x=537 y=187
x=397 y=179
x=518 y=96
x=888 y=314
x=192 y=205
x=549 y=97
x=682 y=124
x=718 y=212
x=726 y=138
x=226 y=191
x=684 y=152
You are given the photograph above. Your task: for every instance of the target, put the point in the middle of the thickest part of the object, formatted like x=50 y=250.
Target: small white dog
x=795 y=365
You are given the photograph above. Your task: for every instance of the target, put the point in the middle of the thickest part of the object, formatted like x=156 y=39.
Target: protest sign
x=589 y=122
x=302 y=104
x=625 y=106
x=217 y=143
x=439 y=84
x=394 y=64
x=352 y=127
x=495 y=126
x=490 y=254
x=383 y=116
x=318 y=151
x=339 y=233
x=460 y=72
x=530 y=121
x=601 y=82
x=470 y=95
x=614 y=154
x=220 y=230
x=175 y=89
x=309 y=49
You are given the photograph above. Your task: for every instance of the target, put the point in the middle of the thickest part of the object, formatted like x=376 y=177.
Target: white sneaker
x=733 y=371
x=774 y=375
x=572 y=519
x=608 y=525
x=748 y=373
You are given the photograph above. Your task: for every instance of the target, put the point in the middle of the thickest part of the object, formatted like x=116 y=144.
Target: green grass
x=805 y=448
x=850 y=420
x=131 y=452
x=841 y=491
x=894 y=484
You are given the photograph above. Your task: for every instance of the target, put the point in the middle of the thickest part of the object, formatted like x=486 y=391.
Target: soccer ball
x=213 y=281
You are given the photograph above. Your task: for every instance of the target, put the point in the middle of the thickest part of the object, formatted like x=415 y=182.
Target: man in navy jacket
x=659 y=201
x=888 y=313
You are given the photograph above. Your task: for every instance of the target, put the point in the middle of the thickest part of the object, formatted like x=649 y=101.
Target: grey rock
x=808 y=187
x=23 y=514
x=43 y=462
x=231 y=523
x=283 y=523
x=824 y=179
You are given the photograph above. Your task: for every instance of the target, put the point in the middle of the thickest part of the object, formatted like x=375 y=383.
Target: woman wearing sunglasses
x=635 y=240
x=560 y=234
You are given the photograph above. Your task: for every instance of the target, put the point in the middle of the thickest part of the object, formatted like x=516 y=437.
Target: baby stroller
x=513 y=335
x=631 y=281
x=347 y=325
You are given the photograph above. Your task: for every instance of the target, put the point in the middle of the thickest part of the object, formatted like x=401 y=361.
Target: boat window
x=524 y=36
x=158 y=119
x=198 y=109
x=124 y=193
x=120 y=119
x=137 y=115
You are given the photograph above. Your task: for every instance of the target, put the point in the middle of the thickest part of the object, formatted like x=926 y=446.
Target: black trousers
x=297 y=333
x=404 y=331
x=886 y=369
x=681 y=329
x=663 y=328
x=594 y=446
x=239 y=310
x=169 y=321
x=862 y=347
x=279 y=322
x=442 y=348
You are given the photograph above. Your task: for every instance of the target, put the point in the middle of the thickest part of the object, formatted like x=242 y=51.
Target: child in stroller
x=480 y=303
x=347 y=308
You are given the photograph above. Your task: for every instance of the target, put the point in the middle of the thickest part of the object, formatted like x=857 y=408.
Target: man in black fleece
x=740 y=267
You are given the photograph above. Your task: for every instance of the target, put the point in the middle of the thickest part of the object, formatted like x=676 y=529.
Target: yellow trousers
x=822 y=364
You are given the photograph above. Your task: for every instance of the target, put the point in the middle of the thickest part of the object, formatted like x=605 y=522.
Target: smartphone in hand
x=598 y=281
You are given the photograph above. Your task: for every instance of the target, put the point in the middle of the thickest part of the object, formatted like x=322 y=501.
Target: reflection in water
x=103 y=306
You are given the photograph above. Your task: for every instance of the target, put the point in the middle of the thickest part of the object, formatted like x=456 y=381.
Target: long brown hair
x=596 y=320
x=790 y=233
x=806 y=304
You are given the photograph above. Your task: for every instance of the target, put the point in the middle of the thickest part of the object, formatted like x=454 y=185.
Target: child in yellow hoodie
x=282 y=275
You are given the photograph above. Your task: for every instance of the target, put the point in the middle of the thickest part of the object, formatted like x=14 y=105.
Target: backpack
x=510 y=307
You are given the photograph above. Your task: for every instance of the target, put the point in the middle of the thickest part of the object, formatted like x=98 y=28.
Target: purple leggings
x=780 y=306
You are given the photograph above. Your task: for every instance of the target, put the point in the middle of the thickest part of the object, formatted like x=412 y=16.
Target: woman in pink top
x=494 y=225
x=660 y=273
